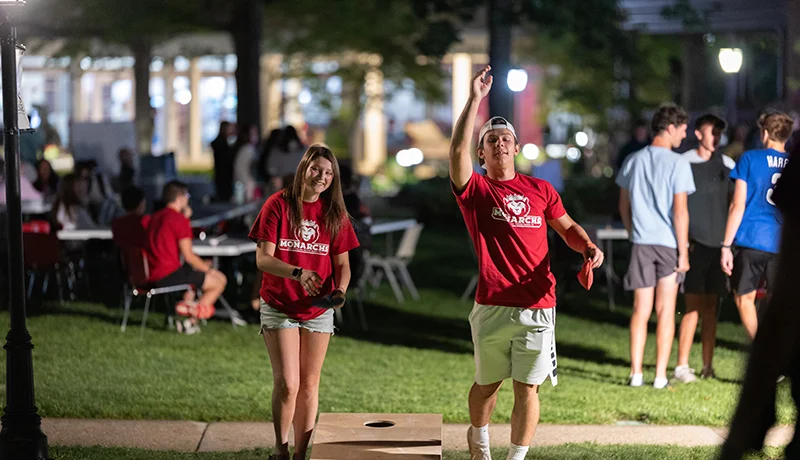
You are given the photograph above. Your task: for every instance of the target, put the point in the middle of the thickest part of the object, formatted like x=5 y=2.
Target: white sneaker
x=660 y=383
x=477 y=451
x=636 y=380
x=685 y=374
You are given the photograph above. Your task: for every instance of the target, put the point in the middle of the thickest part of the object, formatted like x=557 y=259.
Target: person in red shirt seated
x=304 y=236
x=169 y=238
x=513 y=319
x=130 y=230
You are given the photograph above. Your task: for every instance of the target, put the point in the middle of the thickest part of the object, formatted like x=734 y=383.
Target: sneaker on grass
x=477 y=451
x=685 y=374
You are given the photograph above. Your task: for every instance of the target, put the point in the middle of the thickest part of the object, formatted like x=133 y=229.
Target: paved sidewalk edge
x=189 y=436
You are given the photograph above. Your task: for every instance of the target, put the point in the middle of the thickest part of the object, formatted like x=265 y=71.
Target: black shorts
x=750 y=266
x=705 y=274
x=649 y=263
x=184 y=275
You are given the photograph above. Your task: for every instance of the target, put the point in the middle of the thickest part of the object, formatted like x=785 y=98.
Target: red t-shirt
x=130 y=230
x=507 y=221
x=167 y=227
x=308 y=247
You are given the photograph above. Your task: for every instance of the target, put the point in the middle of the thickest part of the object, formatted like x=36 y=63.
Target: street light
x=21 y=436
x=730 y=59
x=517 y=80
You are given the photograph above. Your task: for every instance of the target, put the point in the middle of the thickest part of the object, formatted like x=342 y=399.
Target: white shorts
x=514 y=342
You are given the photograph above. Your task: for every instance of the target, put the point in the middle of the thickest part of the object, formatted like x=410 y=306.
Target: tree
x=135 y=25
x=139 y=25
x=409 y=39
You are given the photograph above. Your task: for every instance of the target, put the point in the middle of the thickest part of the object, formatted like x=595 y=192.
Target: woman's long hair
x=332 y=200
x=288 y=136
x=67 y=196
x=52 y=182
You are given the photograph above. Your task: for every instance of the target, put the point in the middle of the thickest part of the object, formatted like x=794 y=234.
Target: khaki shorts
x=514 y=342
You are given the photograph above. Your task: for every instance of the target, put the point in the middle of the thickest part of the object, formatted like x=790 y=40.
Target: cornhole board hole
x=377 y=437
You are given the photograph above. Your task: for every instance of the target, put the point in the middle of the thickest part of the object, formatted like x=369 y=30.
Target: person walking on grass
x=303 y=235
x=705 y=282
x=513 y=319
x=754 y=223
x=654 y=185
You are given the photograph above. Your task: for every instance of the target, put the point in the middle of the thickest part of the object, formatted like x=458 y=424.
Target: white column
x=78 y=104
x=170 y=119
x=292 y=112
x=374 y=152
x=195 y=118
x=270 y=92
x=96 y=110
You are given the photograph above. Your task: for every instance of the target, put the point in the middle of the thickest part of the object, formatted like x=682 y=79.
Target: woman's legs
x=313 y=347
x=283 y=346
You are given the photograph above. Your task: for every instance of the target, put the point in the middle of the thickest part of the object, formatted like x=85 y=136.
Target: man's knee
x=522 y=389
x=215 y=281
x=487 y=391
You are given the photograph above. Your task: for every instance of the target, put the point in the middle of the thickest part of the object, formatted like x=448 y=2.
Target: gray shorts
x=274 y=319
x=649 y=263
x=514 y=342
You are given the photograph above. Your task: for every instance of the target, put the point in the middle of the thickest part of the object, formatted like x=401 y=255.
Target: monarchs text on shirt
x=308 y=246
x=507 y=223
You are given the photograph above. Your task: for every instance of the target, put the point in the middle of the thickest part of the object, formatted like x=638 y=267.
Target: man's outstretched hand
x=481 y=83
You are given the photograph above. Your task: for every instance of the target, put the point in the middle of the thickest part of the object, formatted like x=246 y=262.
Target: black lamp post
x=21 y=436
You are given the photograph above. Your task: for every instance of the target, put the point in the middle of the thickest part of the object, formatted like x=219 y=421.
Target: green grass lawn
x=567 y=452
x=416 y=357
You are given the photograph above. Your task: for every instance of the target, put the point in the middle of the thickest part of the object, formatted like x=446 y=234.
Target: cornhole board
x=340 y=436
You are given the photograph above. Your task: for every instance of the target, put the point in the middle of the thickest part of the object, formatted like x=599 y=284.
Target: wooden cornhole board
x=365 y=437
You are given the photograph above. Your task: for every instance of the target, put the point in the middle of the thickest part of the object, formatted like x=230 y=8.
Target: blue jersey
x=761 y=223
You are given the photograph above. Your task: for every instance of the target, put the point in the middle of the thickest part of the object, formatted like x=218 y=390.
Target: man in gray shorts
x=654 y=185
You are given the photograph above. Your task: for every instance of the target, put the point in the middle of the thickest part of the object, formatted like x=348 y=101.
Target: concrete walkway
x=235 y=436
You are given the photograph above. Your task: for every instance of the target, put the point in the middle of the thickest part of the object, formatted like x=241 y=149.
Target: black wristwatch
x=297 y=272
x=726 y=246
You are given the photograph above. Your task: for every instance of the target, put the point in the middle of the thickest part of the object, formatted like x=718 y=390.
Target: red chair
x=135 y=263
x=41 y=253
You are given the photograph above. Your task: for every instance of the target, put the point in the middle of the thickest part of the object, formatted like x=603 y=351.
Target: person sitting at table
x=101 y=199
x=26 y=189
x=70 y=210
x=169 y=238
x=130 y=230
x=46 y=180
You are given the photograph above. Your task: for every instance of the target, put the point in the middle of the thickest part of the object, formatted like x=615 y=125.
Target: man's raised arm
x=460 y=158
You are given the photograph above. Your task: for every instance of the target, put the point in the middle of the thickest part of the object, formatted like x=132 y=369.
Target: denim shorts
x=274 y=319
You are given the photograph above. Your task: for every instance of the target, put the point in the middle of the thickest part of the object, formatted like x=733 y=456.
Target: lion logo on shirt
x=517 y=204
x=306 y=236
x=308 y=231
x=516 y=211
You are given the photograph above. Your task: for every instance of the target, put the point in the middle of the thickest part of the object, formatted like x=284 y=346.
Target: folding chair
x=42 y=253
x=399 y=262
x=135 y=263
